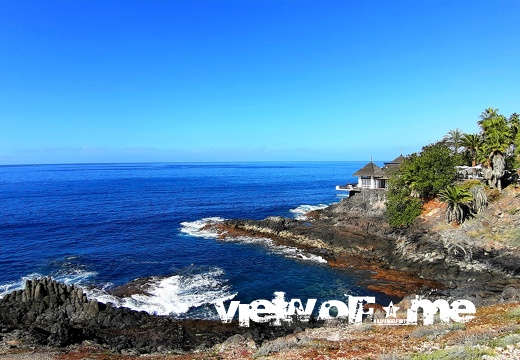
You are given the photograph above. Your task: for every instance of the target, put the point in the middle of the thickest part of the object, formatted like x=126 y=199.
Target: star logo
x=390 y=310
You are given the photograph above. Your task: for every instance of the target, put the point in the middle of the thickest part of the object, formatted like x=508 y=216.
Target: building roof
x=370 y=169
x=396 y=161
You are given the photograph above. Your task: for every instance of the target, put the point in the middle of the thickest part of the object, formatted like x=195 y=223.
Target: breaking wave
x=300 y=213
x=199 y=228
x=173 y=295
x=76 y=277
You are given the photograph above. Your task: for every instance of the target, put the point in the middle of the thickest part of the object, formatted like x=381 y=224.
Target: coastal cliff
x=478 y=261
x=429 y=257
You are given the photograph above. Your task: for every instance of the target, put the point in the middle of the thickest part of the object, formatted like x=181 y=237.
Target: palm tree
x=454 y=139
x=497 y=137
x=457 y=200
x=489 y=113
x=514 y=124
x=472 y=143
x=480 y=200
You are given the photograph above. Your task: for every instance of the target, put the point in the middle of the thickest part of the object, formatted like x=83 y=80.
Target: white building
x=371 y=176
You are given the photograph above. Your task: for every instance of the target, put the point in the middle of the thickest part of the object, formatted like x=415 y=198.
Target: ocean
x=102 y=225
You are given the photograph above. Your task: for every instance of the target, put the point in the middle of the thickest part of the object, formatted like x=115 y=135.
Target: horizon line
x=187 y=162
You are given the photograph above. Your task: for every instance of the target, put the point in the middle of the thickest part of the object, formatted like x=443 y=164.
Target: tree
x=420 y=175
x=454 y=139
x=480 y=200
x=514 y=123
x=487 y=114
x=472 y=143
x=402 y=209
x=457 y=200
x=497 y=135
x=429 y=171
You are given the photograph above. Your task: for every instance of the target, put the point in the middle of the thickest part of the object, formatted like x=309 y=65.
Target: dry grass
x=456 y=352
x=513 y=238
x=493 y=327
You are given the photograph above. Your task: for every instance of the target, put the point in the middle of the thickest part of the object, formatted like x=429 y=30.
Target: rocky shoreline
x=423 y=259
x=417 y=260
x=51 y=314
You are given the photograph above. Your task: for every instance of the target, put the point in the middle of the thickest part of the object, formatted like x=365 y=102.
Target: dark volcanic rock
x=54 y=314
x=355 y=232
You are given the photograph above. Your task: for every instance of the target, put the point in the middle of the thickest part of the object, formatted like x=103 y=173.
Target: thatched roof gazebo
x=371 y=176
x=370 y=169
x=398 y=160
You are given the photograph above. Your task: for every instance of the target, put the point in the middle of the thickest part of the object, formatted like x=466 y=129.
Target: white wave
x=16 y=285
x=196 y=228
x=301 y=255
x=76 y=277
x=300 y=213
x=174 y=295
x=287 y=251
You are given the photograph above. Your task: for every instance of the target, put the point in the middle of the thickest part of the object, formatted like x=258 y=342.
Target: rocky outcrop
x=50 y=313
x=354 y=232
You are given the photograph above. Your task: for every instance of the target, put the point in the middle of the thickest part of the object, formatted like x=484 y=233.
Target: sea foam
x=76 y=277
x=173 y=295
x=196 y=228
x=300 y=213
x=199 y=228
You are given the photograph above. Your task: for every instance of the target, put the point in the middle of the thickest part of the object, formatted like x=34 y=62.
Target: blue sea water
x=103 y=225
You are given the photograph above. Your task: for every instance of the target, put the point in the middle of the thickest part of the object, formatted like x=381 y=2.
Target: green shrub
x=429 y=171
x=402 y=210
x=503 y=342
x=433 y=331
x=468 y=184
x=457 y=352
x=514 y=313
x=420 y=176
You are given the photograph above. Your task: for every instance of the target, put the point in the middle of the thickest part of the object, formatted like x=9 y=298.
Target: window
x=366 y=182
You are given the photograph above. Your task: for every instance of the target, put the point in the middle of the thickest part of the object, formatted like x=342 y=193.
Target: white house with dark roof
x=372 y=176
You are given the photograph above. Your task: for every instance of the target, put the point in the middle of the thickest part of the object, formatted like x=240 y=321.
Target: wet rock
x=71 y=318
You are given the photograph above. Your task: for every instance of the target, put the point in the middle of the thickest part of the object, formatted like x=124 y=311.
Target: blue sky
x=133 y=81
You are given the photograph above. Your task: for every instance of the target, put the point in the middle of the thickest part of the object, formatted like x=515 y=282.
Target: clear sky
x=248 y=80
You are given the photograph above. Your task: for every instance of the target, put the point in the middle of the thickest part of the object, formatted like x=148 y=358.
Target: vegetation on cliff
x=421 y=176
x=458 y=200
x=431 y=172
